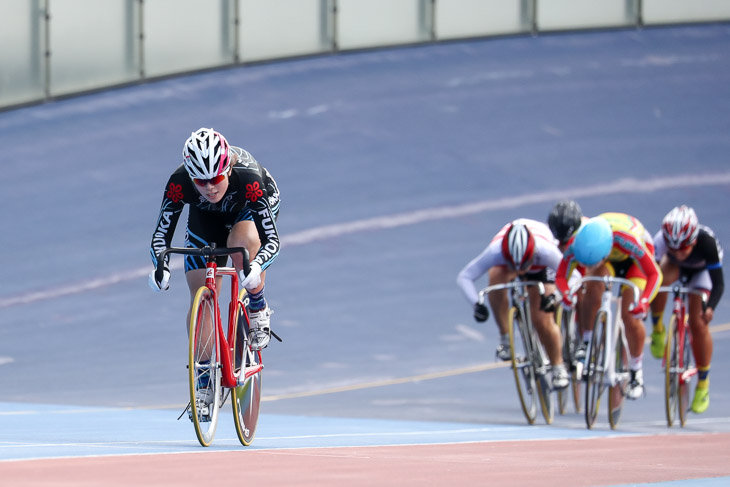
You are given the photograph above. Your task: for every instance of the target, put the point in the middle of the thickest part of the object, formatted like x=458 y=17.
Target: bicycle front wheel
x=203 y=371
x=571 y=341
x=247 y=395
x=671 y=371
x=595 y=368
x=617 y=392
x=562 y=318
x=684 y=383
x=522 y=366
x=544 y=390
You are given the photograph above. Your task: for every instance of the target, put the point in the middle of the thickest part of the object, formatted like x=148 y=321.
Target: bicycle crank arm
x=688 y=373
x=248 y=372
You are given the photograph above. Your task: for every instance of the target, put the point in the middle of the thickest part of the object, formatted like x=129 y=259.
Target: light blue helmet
x=593 y=241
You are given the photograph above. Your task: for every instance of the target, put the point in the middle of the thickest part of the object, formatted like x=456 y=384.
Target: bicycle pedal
x=204 y=414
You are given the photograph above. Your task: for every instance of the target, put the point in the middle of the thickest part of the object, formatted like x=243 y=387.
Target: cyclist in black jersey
x=233 y=202
x=690 y=252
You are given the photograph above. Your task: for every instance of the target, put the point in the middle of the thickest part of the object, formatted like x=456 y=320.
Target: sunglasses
x=216 y=180
x=682 y=248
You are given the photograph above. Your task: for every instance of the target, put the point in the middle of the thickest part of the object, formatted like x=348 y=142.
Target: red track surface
x=592 y=462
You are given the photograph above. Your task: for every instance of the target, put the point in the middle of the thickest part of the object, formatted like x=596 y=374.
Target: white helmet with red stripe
x=680 y=227
x=518 y=246
x=205 y=154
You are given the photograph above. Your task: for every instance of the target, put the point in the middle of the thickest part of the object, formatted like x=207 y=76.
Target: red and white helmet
x=205 y=154
x=518 y=246
x=680 y=227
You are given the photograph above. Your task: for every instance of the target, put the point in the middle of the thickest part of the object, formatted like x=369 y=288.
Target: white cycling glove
x=253 y=279
x=163 y=285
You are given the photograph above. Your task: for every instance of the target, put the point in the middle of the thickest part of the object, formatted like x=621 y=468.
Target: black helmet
x=564 y=219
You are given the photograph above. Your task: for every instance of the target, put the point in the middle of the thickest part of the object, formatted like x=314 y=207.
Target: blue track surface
x=395 y=167
x=73 y=431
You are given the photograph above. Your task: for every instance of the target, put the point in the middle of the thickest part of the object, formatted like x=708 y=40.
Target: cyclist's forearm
x=718 y=287
x=164 y=229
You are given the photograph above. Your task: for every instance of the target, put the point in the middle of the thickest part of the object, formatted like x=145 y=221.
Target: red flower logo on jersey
x=175 y=192
x=253 y=191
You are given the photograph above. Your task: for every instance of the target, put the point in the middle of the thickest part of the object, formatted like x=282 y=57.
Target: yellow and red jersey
x=630 y=241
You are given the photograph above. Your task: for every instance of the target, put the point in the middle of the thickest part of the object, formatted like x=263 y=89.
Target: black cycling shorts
x=206 y=227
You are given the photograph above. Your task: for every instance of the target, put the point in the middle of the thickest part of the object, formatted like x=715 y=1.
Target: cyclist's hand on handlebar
x=640 y=309
x=163 y=285
x=481 y=312
x=548 y=302
x=253 y=279
x=567 y=302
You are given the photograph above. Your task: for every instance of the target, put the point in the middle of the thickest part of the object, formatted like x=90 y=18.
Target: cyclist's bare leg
x=545 y=326
x=244 y=234
x=591 y=299
x=499 y=300
x=635 y=331
x=670 y=273
x=701 y=337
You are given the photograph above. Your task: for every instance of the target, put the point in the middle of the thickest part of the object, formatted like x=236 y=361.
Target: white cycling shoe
x=260 y=333
x=203 y=400
x=561 y=379
x=636 y=386
x=503 y=352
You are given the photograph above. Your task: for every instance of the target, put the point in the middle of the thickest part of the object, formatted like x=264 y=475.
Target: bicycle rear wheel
x=595 y=369
x=671 y=371
x=522 y=367
x=204 y=377
x=617 y=393
x=684 y=365
x=247 y=396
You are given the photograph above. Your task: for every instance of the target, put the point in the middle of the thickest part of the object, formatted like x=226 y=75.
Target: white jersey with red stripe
x=547 y=254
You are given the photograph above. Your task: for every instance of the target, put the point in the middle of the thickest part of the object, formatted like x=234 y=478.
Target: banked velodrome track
x=396 y=167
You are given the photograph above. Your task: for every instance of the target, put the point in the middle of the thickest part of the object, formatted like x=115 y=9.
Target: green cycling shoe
x=701 y=401
x=658 y=340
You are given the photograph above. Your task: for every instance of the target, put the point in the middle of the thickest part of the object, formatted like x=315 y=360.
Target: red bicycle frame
x=228 y=376
x=680 y=312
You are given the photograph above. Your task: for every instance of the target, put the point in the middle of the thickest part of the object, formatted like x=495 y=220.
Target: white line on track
x=621 y=186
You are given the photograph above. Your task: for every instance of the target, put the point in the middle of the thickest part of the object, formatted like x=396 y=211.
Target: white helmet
x=680 y=227
x=518 y=247
x=205 y=154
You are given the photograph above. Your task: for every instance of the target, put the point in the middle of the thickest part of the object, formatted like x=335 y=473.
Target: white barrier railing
x=54 y=48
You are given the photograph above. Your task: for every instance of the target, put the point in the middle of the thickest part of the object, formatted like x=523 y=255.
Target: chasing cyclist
x=564 y=219
x=234 y=202
x=525 y=248
x=615 y=244
x=689 y=252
